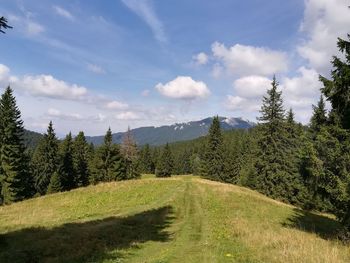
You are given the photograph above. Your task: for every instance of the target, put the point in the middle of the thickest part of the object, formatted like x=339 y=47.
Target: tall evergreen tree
x=146 y=160
x=67 y=166
x=214 y=152
x=108 y=163
x=45 y=161
x=130 y=153
x=165 y=163
x=319 y=116
x=81 y=160
x=55 y=184
x=337 y=90
x=14 y=167
x=276 y=174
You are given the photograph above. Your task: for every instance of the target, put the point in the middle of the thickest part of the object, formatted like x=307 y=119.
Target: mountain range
x=176 y=132
x=159 y=135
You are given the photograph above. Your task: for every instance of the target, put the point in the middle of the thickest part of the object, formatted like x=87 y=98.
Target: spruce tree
x=337 y=90
x=319 y=116
x=108 y=163
x=165 y=163
x=214 y=153
x=67 y=166
x=146 y=160
x=16 y=183
x=45 y=161
x=81 y=160
x=130 y=153
x=276 y=174
x=55 y=184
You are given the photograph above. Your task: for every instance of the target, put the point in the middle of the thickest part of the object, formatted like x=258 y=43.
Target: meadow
x=178 y=219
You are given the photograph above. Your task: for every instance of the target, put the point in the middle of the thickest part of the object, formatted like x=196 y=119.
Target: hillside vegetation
x=178 y=219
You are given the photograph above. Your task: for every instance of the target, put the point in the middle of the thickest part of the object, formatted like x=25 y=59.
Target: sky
x=89 y=64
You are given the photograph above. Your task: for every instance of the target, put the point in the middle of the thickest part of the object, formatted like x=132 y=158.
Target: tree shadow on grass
x=87 y=241
x=323 y=226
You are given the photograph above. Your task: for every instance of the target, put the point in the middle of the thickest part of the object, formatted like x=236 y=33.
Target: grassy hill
x=180 y=219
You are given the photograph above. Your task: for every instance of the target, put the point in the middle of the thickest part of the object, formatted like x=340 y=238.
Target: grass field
x=180 y=219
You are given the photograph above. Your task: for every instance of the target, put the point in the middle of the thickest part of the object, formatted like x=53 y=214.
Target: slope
x=180 y=219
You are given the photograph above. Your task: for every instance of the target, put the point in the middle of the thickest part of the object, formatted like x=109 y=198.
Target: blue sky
x=88 y=65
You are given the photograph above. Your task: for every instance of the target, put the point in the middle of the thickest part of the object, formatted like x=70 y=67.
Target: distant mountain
x=176 y=132
x=31 y=139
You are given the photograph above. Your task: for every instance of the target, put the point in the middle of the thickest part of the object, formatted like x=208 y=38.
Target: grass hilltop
x=180 y=219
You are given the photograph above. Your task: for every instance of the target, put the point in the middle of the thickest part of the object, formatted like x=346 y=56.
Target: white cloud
x=4 y=74
x=217 y=70
x=241 y=104
x=247 y=60
x=48 y=86
x=95 y=69
x=33 y=28
x=116 y=105
x=127 y=116
x=145 y=10
x=184 y=88
x=251 y=86
x=63 y=12
x=200 y=59
x=65 y=116
x=323 y=22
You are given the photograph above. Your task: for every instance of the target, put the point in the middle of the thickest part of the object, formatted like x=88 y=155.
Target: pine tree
x=319 y=116
x=16 y=183
x=130 y=154
x=81 y=160
x=67 y=166
x=165 y=163
x=146 y=160
x=214 y=153
x=276 y=172
x=108 y=163
x=337 y=90
x=55 y=185
x=45 y=161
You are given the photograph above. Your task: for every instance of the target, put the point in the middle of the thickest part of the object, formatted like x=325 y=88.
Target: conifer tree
x=67 y=166
x=337 y=90
x=108 y=163
x=81 y=160
x=146 y=160
x=16 y=183
x=319 y=117
x=214 y=153
x=276 y=174
x=130 y=154
x=45 y=161
x=165 y=163
x=55 y=184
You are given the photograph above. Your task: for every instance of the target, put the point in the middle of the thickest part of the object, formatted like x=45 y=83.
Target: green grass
x=179 y=219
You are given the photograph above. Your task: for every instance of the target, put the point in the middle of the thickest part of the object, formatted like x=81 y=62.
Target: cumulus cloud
x=200 y=59
x=299 y=92
x=145 y=92
x=251 y=86
x=246 y=60
x=145 y=10
x=63 y=12
x=49 y=87
x=323 y=22
x=184 y=88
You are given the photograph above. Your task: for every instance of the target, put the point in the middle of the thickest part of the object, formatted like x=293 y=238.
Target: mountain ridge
x=176 y=132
